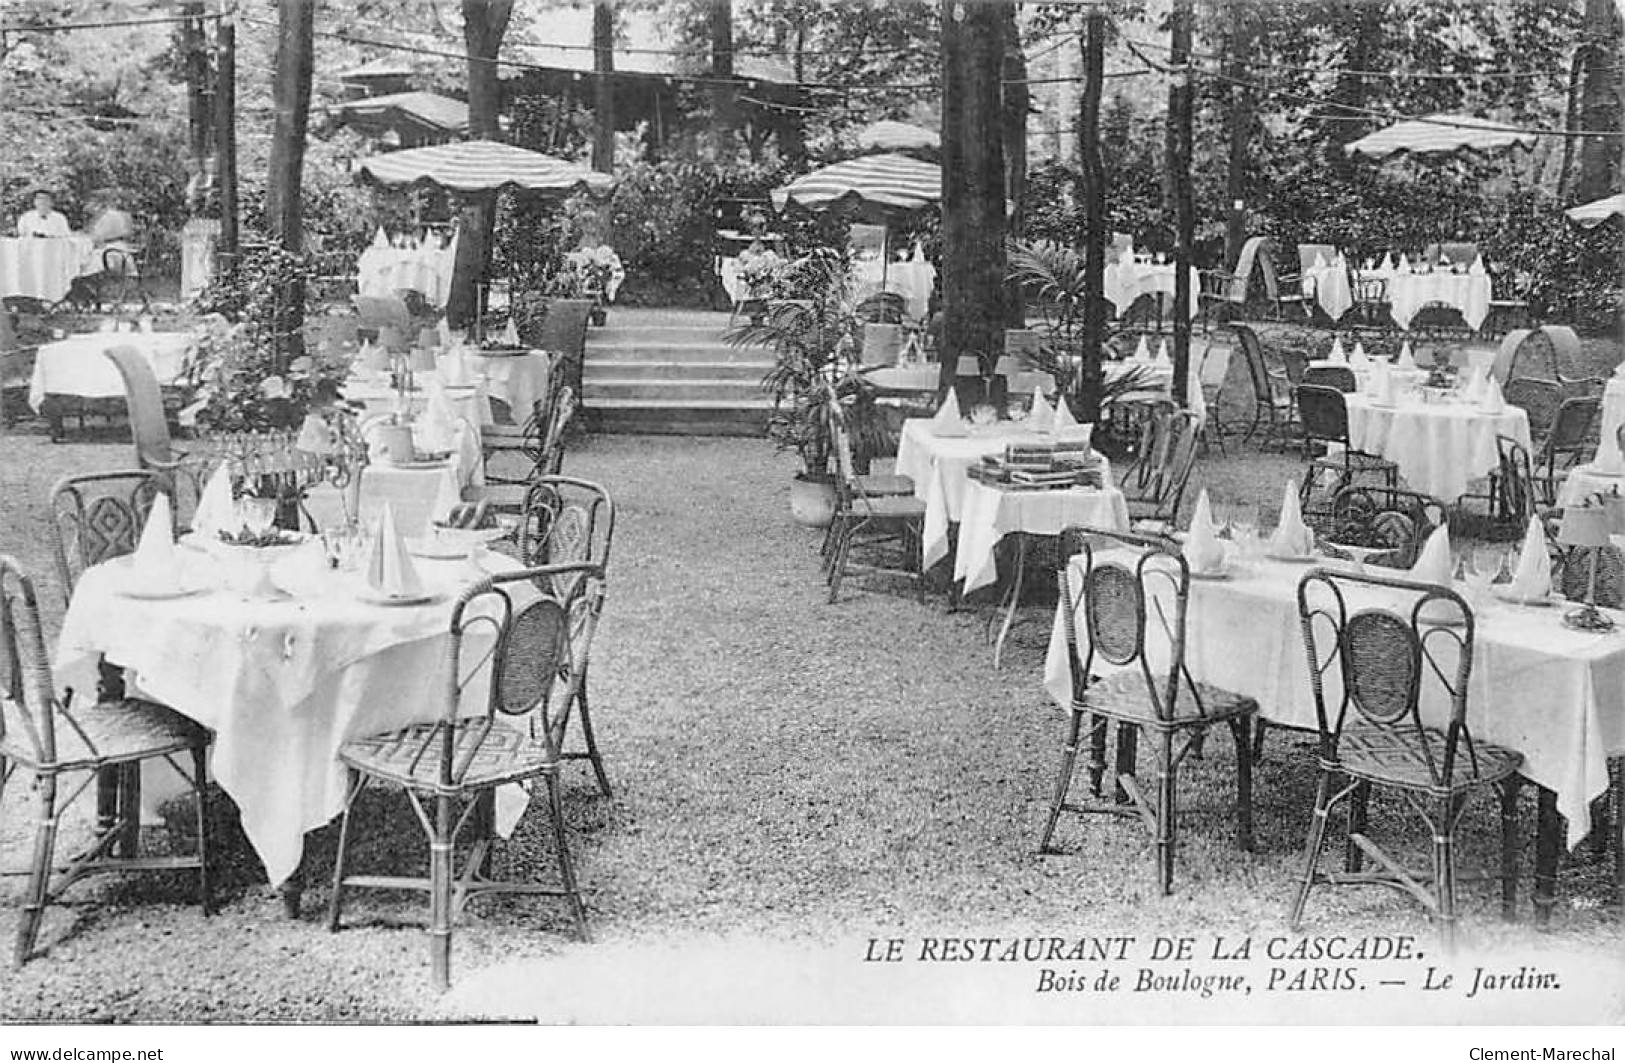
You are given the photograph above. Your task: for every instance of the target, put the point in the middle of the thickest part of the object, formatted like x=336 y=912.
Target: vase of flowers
x=601 y=274
x=760 y=269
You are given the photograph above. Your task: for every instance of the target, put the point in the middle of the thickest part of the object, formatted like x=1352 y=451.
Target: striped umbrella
x=1439 y=135
x=482 y=166
x=887 y=135
x=1591 y=215
x=893 y=182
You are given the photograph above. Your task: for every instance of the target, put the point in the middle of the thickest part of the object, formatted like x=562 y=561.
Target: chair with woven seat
x=1126 y=580
x=1323 y=413
x=97 y=517
x=1571 y=438
x=1155 y=485
x=532 y=647
x=149 y=428
x=1211 y=376
x=1513 y=494
x=1370 y=662
x=1272 y=404
x=1538 y=398
x=862 y=519
x=54 y=739
x=541 y=453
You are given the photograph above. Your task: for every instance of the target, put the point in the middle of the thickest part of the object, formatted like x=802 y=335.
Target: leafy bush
x=1566 y=273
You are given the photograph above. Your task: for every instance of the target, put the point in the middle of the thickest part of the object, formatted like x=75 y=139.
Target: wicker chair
x=1368 y=667
x=1513 y=494
x=540 y=452
x=1571 y=439
x=149 y=428
x=1325 y=417
x=97 y=517
x=1574 y=580
x=568 y=521
x=1214 y=370
x=54 y=739
x=1155 y=485
x=1340 y=377
x=535 y=652
x=1539 y=399
x=1272 y=405
x=1127 y=579
x=894 y=517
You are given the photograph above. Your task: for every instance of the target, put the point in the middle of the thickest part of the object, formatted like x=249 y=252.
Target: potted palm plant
x=813 y=335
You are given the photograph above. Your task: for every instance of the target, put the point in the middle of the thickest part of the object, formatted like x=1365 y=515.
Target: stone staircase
x=669 y=372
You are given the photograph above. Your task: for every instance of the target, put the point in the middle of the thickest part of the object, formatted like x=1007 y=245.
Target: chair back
x=1133 y=594
x=1571 y=432
x=28 y=702
x=1402 y=519
x=1158 y=433
x=1253 y=352
x=382 y=311
x=1369 y=290
x=1324 y=414
x=1295 y=363
x=881 y=343
x=1307 y=253
x=1340 y=377
x=1376 y=647
x=1215 y=367
x=97 y=517
x=1516 y=491
x=1168 y=456
x=565 y=521
x=1539 y=399
x=1575 y=579
x=148 y=425
x=882 y=308
x=564 y=330
x=551 y=460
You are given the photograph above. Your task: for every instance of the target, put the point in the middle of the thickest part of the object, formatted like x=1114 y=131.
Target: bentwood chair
x=1211 y=376
x=1272 y=401
x=539 y=453
x=57 y=741
x=866 y=520
x=531 y=647
x=1324 y=414
x=1156 y=483
x=568 y=521
x=1134 y=590
x=1513 y=494
x=1340 y=377
x=149 y=427
x=1538 y=398
x=1371 y=664
x=97 y=517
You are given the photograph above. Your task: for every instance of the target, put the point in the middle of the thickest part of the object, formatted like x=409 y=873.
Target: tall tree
x=1017 y=101
x=1092 y=193
x=724 y=95
x=603 y=85
x=1239 y=43
x=199 y=101
x=284 y=202
x=1180 y=113
x=484 y=23
x=1600 y=101
x=973 y=176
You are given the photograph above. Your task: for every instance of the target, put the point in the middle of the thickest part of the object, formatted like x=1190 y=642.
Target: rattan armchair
x=1126 y=581
x=1323 y=412
x=97 y=517
x=149 y=428
x=865 y=520
x=1154 y=486
x=532 y=647
x=1272 y=400
x=539 y=453
x=55 y=740
x=1370 y=662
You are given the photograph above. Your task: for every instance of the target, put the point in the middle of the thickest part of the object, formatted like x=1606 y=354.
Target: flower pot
x=812 y=501
x=597 y=316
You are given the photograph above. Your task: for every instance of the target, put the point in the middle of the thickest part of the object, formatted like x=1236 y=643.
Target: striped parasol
x=1590 y=215
x=482 y=166
x=1439 y=135
x=887 y=135
x=894 y=182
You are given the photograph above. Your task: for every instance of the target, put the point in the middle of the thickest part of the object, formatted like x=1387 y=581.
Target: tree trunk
x=284 y=203
x=1180 y=102
x=1016 y=104
x=199 y=99
x=1599 y=101
x=603 y=94
x=1350 y=91
x=225 y=143
x=1241 y=123
x=973 y=176
x=724 y=98
x=1092 y=193
x=484 y=23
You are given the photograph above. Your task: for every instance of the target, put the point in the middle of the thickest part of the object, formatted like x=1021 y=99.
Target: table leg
x=1012 y=598
x=1548 y=846
x=109 y=687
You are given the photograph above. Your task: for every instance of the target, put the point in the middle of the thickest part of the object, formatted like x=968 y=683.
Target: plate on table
x=367 y=594
x=502 y=352
x=422 y=463
x=141 y=590
x=1503 y=595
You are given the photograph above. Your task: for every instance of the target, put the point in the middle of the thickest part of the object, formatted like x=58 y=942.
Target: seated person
x=114 y=230
x=44 y=220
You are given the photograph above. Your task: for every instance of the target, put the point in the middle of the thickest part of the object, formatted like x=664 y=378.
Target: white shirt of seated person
x=43 y=220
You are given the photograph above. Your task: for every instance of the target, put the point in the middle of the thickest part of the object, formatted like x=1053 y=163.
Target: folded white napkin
x=1320 y=260
x=1387 y=262
x=1142 y=353
x=1407 y=357
x=1433 y=564
x=447 y=497
x=1493 y=401
x=374 y=357
x=216 y=511
x=948 y=420
x=437 y=427
x=154 y=560
x=1444 y=260
x=1338 y=355
x=1292 y=537
x=510 y=334
x=1203 y=551
x=1042 y=416
x=1404 y=264
x=315 y=437
x=1474 y=390
x=1477 y=268
x=1608 y=459
x=1357 y=360
x=389 y=568
x=1533 y=577
x=1063 y=414
x=381 y=238
x=1162 y=354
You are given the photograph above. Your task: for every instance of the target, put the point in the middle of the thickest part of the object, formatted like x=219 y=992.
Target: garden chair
x=565 y=522
x=56 y=740
x=1571 y=439
x=1371 y=311
x=898 y=518
x=1126 y=581
x=1211 y=376
x=1157 y=487
x=532 y=647
x=1538 y=398
x=1512 y=495
x=16 y=363
x=1324 y=415
x=564 y=331
x=149 y=427
x=1340 y=377
x=96 y=517
x=1370 y=663
x=540 y=452
x=1272 y=404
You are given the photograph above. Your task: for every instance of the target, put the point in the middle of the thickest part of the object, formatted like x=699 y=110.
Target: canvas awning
x=1438 y=135
x=888 y=135
x=1590 y=215
x=413 y=115
x=894 y=182
x=482 y=166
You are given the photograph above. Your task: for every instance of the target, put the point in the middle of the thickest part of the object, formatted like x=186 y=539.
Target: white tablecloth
x=470 y=401
x=1468 y=293
x=1582 y=481
x=1438 y=447
x=989 y=514
x=79 y=366
x=1556 y=696
x=282 y=684
x=912 y=279
x=519 y=380
x=1613 y=408
x=924 y=377
x=381 y=270
x=937 y=466
x=1127 y=281
x=411 y=491
x=1329 y=286
x=43 y=267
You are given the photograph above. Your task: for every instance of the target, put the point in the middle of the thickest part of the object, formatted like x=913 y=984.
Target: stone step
x=668 y=351
x=675 y=392
x=627 y=369
x=636 y=417
x=657 y=334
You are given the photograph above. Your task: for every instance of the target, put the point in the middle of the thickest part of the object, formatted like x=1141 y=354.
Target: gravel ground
x=785 y=770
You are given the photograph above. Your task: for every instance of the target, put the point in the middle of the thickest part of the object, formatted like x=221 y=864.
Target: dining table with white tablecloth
x=282 y=680
x=518 y=380
x=427 y=268
x=989 y=512
x=79 y=366
x=415 y=490
x=44 y=267
x=1440 y=445
x=1408 y=291
x=1554 y=694
x=913 y=279
x=1327 y=283
x=1126 y=281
